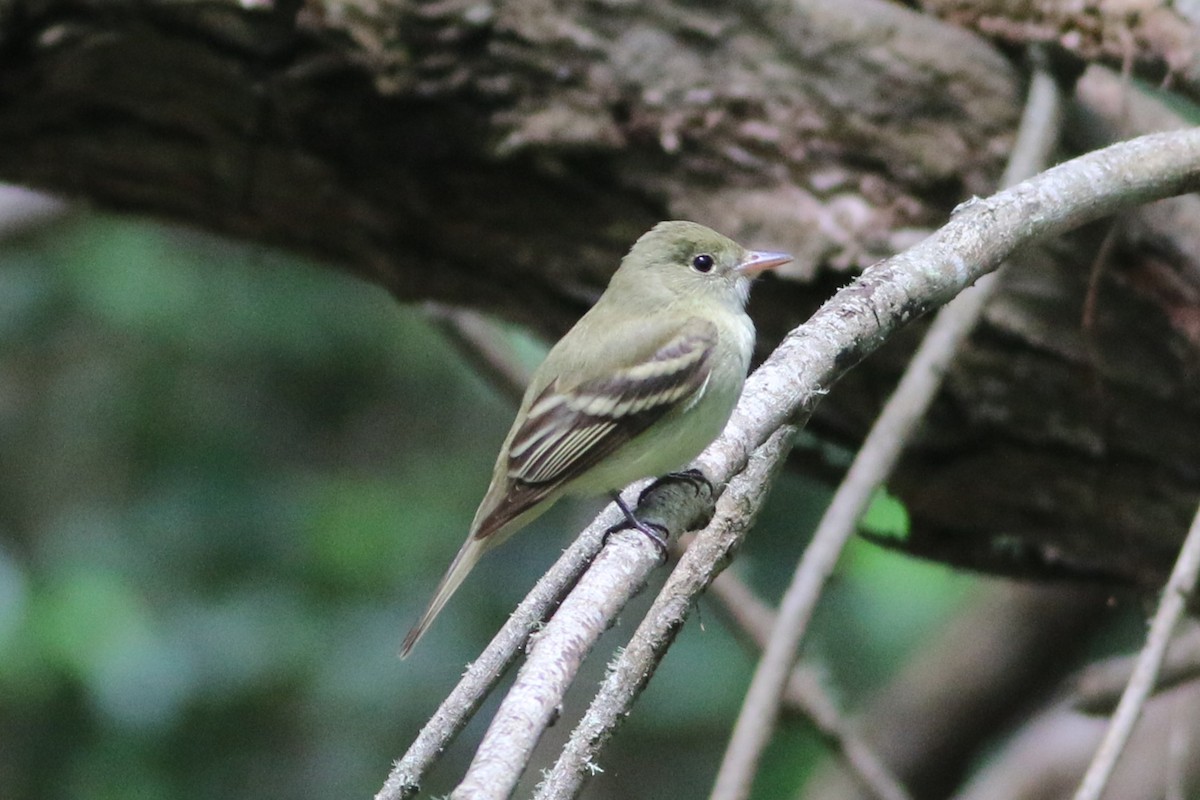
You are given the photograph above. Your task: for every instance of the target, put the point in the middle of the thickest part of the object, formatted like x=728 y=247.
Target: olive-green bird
x=644 y=381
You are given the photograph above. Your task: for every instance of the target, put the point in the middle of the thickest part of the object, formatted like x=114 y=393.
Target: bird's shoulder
x=629 y=347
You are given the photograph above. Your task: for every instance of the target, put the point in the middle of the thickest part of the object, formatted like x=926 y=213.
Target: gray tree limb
x=862 y=316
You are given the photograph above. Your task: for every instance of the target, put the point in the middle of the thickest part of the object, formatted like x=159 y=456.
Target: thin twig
x=1099 y=687
x=885 y=297
x=554 y=658
x=483 y=673
x=631 y=670
x=482 y=343
x=878 y=454
x=805 y=691
x=1170 y=608
x=556 y=652
x=955 y=694
x=749 y=614
x=485 y=346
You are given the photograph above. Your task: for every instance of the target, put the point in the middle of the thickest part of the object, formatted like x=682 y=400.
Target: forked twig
x=632 y=668
x=805 y=691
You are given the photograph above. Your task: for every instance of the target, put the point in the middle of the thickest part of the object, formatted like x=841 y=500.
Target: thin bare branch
x=955 y=694
x=483 y=673
x=863 y=315
x=882 y=447
x=806 y=693
x=806 y=690
x=1046 y=756
x=556 y=652
x=631 y=670
x=1099 y=687
x=1170 y=608
x=485 y=346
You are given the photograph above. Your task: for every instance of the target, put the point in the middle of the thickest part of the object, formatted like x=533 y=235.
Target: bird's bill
x=758 y=261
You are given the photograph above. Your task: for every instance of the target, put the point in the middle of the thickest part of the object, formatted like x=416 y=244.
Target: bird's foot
x=656 y=533
x=692 y=477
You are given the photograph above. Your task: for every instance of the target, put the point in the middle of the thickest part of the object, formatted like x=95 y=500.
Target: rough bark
x=1159 y=39
x=503 y=155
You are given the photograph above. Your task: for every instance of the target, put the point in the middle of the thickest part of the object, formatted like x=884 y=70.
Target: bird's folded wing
x=570 y=429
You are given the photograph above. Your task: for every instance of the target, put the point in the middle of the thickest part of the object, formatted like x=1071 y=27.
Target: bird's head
x=678 y=260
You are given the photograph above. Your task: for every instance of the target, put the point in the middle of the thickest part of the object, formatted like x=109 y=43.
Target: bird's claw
x=693 y=477
x=658 y=534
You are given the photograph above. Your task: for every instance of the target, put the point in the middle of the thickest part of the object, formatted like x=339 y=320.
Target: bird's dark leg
x=656 y=533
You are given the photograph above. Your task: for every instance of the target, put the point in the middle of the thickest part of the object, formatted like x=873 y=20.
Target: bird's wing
x=569 y=430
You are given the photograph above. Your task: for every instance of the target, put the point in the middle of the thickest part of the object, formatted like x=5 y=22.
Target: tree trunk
x=504 y=155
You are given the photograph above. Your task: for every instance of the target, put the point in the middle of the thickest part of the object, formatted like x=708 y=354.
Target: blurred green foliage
x=228 y=481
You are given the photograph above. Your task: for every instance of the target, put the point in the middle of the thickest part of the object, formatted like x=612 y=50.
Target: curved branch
x=556 y=652
x=975 y=241
x=481 y=675
x=633 y=667
x=1099 y=687
x=896 y=424
x=501 y=155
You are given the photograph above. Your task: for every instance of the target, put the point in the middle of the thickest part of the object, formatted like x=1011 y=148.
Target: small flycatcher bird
x=644 y=381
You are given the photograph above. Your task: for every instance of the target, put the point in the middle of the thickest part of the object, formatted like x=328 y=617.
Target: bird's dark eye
x=702 y=262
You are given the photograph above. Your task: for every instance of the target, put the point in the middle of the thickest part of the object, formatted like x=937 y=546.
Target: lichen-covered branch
x=895 y=427
x=862 y=316
x=633 y=666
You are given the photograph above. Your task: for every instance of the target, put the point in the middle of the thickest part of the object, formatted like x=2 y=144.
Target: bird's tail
x=468 y=556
